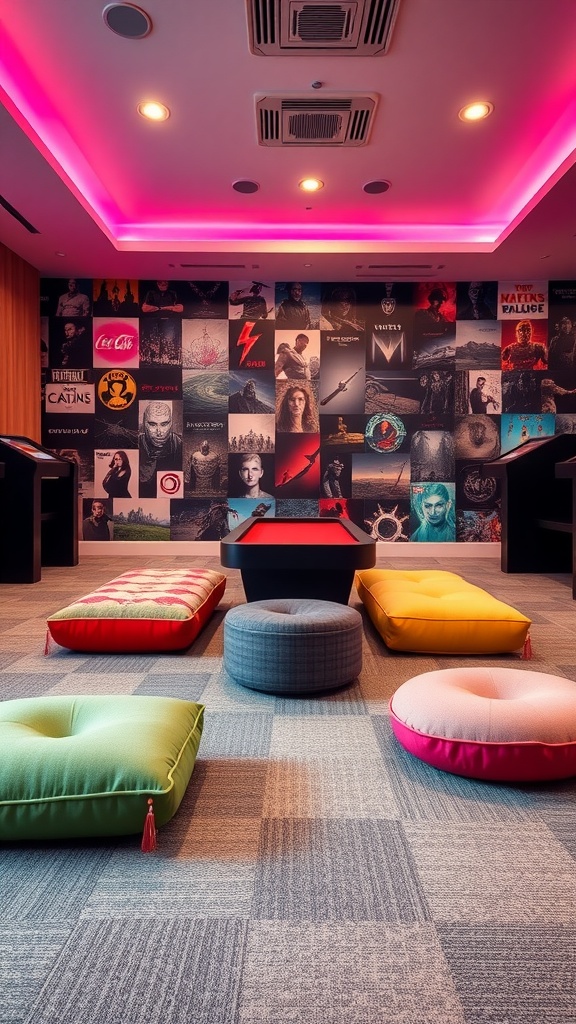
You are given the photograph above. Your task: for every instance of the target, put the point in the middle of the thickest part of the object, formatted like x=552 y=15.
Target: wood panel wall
x=19 y=346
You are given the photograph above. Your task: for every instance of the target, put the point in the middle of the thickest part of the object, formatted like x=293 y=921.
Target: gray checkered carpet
x=315 y=872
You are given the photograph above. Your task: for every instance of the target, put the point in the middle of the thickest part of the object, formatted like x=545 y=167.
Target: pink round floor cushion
x=504 y=724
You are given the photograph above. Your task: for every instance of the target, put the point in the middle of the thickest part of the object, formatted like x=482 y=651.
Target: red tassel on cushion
x=527 y=649
x=149 y=834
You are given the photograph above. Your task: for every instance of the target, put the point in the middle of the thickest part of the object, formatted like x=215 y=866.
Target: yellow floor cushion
x=438 y=612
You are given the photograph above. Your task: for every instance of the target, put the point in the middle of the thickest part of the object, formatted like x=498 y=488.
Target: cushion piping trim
x=481 y=743
x=115 y=792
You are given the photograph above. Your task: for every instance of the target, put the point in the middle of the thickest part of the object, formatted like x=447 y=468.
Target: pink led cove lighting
x=38 y=116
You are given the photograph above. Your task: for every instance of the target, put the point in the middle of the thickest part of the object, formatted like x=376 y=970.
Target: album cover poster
x=400 y=392
x=386 y=433
x=566 y=423
x=524 y=345
x=297 y=355
x=478 y=344
x=205 y=394
x=297 y=467
x=251 y=300
x=517 y=428
x=432 y=455
x=477 y=437
x=434 y=318
x=432 y=512
x=341 y=434
x=474 y=490
x=116 y=343
x=297 y=508
x=68 y=397
x=251 y=345
x=297 y=305
x=387 y=521
x=389 y=325
x=342 y=508
x=251 y=393
x=84 y=459
x=116 y=472
x=115 y=429
x=436 y=393
x=521 y=390
x=61 y=430
x=201 y=518
x=69 y=342
x=159 y=442
x=161 y=298
x=251 y=433
x=96 y=522
x=483 y=392
x=484 y=384
x=297 y=407
x=140 y=519
x=342 y=373
x=159 y=382
x=68 y=297
x=251 y=476
x=517 y=300
x=250 y=508
x=205 y=300
x=478 y=526
x=394 y=476
x=205 y=457
x=476 y=300
x=370 y=474
x=205 y=344
x=161 y=341
x=115 y=297
x=340 y=310
x=335 y=475
x=562 y=330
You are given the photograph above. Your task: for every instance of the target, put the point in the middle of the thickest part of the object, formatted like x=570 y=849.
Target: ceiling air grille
x=359 y=28
x=307 y=121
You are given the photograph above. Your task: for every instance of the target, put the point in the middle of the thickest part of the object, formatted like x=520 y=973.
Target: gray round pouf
x=292 y=645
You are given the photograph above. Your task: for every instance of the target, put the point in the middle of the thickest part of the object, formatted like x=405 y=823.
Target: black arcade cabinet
x=537 y=513
x=38 y=510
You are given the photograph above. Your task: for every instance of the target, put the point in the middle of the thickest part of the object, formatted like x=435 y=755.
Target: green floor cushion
x=87 y=765
x=142 y=610
x=438 y=612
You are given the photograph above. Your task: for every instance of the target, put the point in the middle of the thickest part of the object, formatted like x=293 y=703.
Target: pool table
x=298 y=557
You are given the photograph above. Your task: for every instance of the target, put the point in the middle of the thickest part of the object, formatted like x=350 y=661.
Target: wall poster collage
x=190 y=406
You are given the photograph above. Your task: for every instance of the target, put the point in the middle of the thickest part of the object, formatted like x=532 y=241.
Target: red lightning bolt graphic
x=247 y=339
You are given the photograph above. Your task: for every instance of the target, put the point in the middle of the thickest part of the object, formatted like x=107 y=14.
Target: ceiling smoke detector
x=359 y=28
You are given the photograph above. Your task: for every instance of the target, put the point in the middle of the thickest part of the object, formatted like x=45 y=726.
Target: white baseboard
x=211 y=549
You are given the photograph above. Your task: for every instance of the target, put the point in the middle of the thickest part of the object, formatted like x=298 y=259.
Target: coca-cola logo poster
x=116 y=342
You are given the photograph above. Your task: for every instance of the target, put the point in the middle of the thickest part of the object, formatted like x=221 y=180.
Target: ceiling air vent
x=314 y=121
x=359 y=28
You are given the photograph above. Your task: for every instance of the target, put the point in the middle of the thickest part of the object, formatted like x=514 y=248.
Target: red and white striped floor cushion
x=141 y=610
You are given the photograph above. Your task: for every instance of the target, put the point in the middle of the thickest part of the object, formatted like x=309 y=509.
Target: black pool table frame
x=315 y=570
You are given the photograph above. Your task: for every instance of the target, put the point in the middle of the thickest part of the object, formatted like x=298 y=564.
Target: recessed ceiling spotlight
x=59 y=253
x=127 y=20
x=476 y=111
x=245 y=186
x=153 y=111
x=310 y=184
x=307 y=264
x=375 y=188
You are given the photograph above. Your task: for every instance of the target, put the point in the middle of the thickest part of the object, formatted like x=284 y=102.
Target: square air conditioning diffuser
x=359 y=28
x=305 y=120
